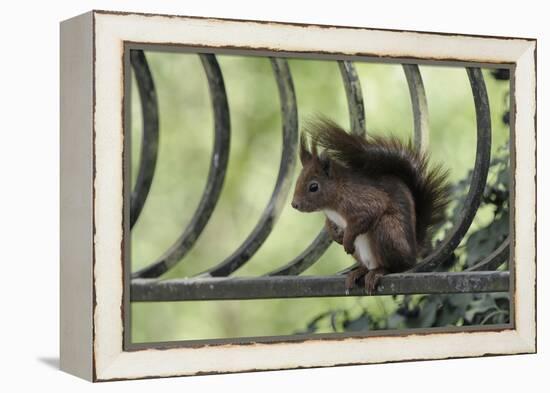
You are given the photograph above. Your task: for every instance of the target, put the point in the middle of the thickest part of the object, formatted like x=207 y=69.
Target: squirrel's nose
x=295 y=205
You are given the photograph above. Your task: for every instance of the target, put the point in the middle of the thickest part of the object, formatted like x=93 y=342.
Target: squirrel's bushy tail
x=378 y=156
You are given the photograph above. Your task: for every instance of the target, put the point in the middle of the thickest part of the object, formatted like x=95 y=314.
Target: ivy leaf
x=480 y=307
x=427 y=315
x=358 y=325
x=453 y=309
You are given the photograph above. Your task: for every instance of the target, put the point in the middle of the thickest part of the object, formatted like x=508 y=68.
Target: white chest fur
x=336 y=218
x=363 y=249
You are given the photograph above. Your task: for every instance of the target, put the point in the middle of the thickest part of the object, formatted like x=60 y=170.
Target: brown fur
x=380 y=186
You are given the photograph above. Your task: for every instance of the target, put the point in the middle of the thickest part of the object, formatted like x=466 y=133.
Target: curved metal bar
x=419 y=104
x=348 y=269
x=282 y=187
x=356 y=109
x=216 y=174
x=307 y=258
x=489 y=263
x=493 y=260
x=420 y=116
x=479 y=176
x=150 y=133
x=354 y=95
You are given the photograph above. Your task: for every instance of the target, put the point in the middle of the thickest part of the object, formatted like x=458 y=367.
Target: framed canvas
x=195 y=151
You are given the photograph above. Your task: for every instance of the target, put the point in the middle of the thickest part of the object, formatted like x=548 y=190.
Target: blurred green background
x=186 y=139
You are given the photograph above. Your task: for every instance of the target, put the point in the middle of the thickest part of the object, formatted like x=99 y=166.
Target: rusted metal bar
x=218 y=288
x=356 y=109
x=216 y=174
x=282 y=187
x=479 y=177
x=149 y=134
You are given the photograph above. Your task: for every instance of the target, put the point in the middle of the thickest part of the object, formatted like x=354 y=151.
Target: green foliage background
x=186 y=138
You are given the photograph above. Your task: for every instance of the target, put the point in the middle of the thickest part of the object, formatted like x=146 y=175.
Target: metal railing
x=285 y=282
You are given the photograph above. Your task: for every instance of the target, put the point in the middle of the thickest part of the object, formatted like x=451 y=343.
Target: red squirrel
x=380 y=197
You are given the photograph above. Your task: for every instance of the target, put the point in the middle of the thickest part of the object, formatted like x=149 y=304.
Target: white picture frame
x=92 y=194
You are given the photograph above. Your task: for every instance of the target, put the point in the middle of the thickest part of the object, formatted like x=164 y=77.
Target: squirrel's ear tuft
x=324 y=160
x=305 y=155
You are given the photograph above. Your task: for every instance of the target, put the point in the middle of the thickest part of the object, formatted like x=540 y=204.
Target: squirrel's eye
x=313 y=186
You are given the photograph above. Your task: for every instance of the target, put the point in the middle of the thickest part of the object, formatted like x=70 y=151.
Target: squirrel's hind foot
x=372 y=279
x=354 y=275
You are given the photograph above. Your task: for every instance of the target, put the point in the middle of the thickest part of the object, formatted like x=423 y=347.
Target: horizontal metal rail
x=234 y=288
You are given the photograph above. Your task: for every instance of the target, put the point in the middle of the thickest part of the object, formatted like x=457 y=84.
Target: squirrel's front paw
x=349 y=247
x=338 y=237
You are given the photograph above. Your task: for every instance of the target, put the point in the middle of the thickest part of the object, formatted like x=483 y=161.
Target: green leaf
x=358 y=325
